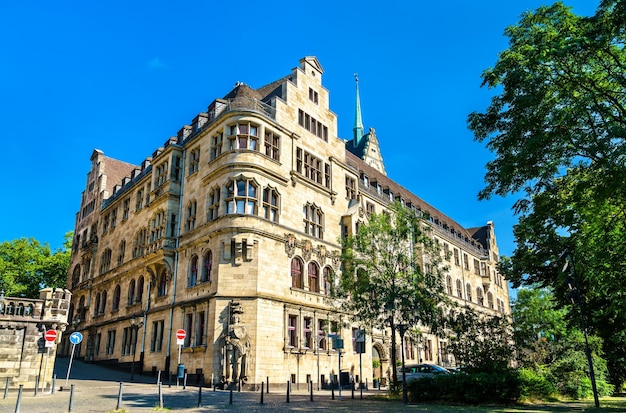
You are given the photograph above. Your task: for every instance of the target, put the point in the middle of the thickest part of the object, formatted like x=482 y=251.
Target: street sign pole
x=67 y=377
x=75 y=338
x=45 y=371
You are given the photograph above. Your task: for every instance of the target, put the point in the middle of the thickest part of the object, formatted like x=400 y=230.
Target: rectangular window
x=156 y=342
x=476 y=267
x=369 y=208
x=321 y=335
x=308 y=332
x=312 y=168
x=292 y=331
x=188 y=329
x=446 y=251
x=350 y=187
x=96 y=344
x=194 y=161
x=110 y=342
x=313 y=96
x=456 y=257
x=465 y=261
x=176 y=167
x=428 y=350
x=200 y=338
x=312 y=125
x=272 y=145
x=125 y=209
x=216 y=145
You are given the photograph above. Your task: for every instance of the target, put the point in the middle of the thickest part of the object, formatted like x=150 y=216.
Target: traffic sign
x=76 y=337
x=51 y=335
x=180 y=337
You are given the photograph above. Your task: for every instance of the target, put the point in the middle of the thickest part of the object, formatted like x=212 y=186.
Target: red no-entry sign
x=50 y=335
x=181 y=334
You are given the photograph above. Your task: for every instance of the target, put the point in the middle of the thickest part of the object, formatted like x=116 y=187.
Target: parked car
x=421 y=371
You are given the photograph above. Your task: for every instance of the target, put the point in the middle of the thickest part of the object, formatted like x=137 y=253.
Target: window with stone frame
x=479 y=296
x=121 y=251
x=140 y=243
x=313 y=96
x=292 y=331
x=200 y=337
x=446 y=251
x=241 y=196
x=113 y=218
x=156 y=341
x=297 y=273
x=105 y=261
x=217 y=141
x=190 y=212
x=157 y=226
x=243 y=135
x=105 y=222
x=312 y=168
x=476 y=267
x=457 y=261
x=162 y=285
x=468 y=291
x=313 y=272
x=328 y=276
x=194 y=160
x=139 y=294
x=110 y=347
x=139 y=199
x=459 y=289
x=272 y=145
x=270 y=204
x=313 y=219
x=449 y=285
x=103 y=303
x=131 y=292
x=308 y=332
x=115 y=305
x=350 y=187
x=213 y=203
x=176 y=168
x=369 y=208
x=160 y=174
x=125 y=209
x=465 y=262
x=192 y=277
x=490 y=300
x=321 y=335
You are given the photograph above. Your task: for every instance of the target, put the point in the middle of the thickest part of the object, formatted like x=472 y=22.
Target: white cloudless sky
x=124 y=76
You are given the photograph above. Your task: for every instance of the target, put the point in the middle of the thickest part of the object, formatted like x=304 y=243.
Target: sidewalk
x=96 y=389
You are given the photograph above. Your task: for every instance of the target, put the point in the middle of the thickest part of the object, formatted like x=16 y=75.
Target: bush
x=535 y=384
x=496 y=387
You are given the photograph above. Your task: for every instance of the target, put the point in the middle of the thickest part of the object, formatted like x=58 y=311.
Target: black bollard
x=199 y=394
x=185 y=382
x=352 y=386
x=18 y=404
x=230 y=400
x=332 y=390
x=36 y=385
x=287 y=391
x=170 y=383
x=262 y=390
x=119 y=397
x=6 y=389
x=69 y=408
x=239 y=386
x=311 y=389
x=361 y=388
x=54 y=383
x=268 y=385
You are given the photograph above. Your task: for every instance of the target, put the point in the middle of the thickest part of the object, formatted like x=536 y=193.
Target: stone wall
x=24 y=358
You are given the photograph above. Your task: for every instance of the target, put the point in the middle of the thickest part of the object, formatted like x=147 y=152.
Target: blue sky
x=124 y=76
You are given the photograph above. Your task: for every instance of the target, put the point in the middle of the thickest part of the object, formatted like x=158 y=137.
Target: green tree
x=557 y=129
x=26 y=266
x=554 y=350
x=480 y=342
x=392 y=275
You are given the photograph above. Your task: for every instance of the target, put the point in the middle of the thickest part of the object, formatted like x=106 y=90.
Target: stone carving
x=236 y=348
x=290 y=245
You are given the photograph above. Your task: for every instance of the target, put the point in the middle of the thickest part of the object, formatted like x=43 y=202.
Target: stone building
x=25 y=359
x=231 y=231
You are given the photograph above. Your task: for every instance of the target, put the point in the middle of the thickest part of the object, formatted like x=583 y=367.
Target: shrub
x=535 y=384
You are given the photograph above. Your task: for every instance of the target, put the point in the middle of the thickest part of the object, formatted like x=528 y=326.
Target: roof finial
x=358 y=122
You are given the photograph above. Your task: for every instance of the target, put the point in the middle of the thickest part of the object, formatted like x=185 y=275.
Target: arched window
x=207 y=266
x=192 y=276
x=20 y=309
x=96 y=307
x=328 y=276
x=162 y=284
x=131 y=292
x=468 y=291
x=103 y=302
x=490 y=299
x=479 y=296
x=121 y=251
x=313 y=273
x=116 y=298
x=449 y=285
x=76 y=276
x=297 y=278
x=459 y=289
x=139 y=294
x=81 y=307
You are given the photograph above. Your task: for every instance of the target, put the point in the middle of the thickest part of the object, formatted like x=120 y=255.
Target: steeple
x=358 y=122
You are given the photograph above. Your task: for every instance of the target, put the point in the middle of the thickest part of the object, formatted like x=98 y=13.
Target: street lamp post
x=135 y=326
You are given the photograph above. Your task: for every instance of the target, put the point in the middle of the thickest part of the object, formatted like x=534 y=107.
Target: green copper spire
x=358 y=122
